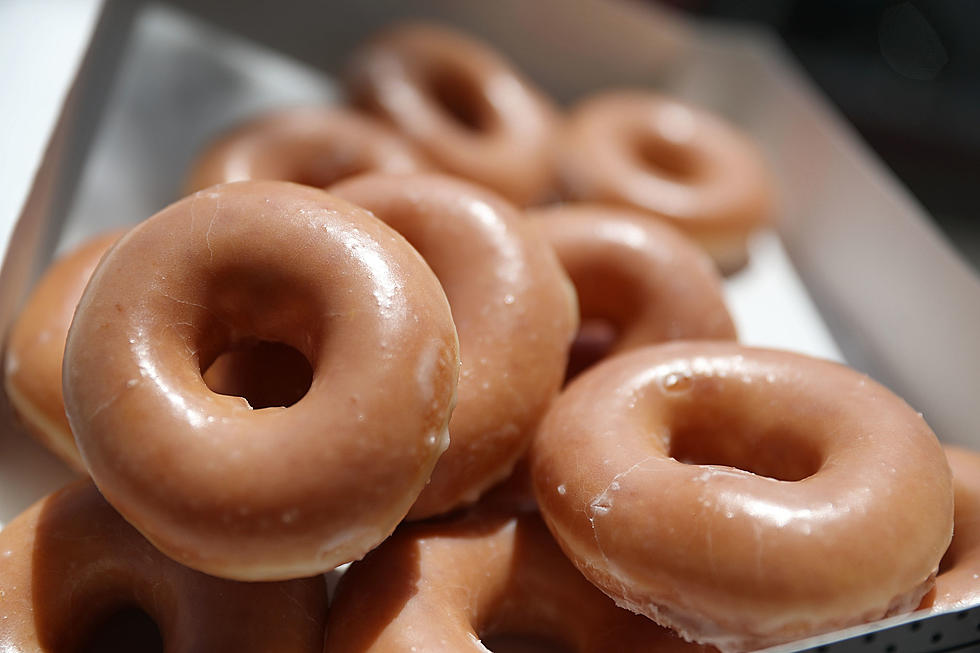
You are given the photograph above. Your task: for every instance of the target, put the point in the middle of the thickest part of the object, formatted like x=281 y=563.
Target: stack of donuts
x=477 y=347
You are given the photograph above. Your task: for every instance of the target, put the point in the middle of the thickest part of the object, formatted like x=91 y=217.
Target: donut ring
x=314 y=146
x=641 y=276
x=677 y=161
x=444 y=586
x=280 y=492
x=740 y=559
x=462 y=104
x=512 y=308
x=32 y=371
x=70 y=562
x=958 y=581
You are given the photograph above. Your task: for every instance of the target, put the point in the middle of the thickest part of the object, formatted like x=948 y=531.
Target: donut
x=462 y=104
x=639 y=281
x=513 y=309
x=673 y=160
x=32 y=370
x=315 y=146
x=743 y=497
x=958 y=581
x=478 y=584
x=73 y=573
x=274 y=493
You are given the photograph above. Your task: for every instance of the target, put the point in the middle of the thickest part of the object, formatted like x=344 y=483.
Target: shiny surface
x=278 y=492
x=32 y=372
x=672 y=159
x=511 y=305
x=642 y=277
x=444 y=586
x=307 y=145
x=739 y=558
x=958 y=582
x=70 y=561
x=462 y=103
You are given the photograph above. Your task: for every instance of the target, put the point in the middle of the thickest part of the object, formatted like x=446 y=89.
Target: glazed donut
x=70 y=564
x=447 y=586
x=462 y=104
x=279 y=492
x=315 y=146
x=640 y=277
x=32 y=371
x=671 y=159
x=958 y=582
x=731 y=493
x=513 y=308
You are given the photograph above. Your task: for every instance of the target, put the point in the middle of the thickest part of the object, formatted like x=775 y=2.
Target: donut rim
x=185 y=465
x=642 y=566
x=296 y=143
x=485 y=573
x=513 y=306
x=672 y=288
x=71 y=561
x=396 y=74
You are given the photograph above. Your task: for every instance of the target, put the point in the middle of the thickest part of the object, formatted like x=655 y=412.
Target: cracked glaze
x=275 y=492
x=741 y=559
x=511 y=305
x=70 y=561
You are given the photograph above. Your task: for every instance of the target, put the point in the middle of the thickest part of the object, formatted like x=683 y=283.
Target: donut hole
x=708 y=439
x=460 y=98
x=264 y=373
x=665 y=159
x=594 y=341
x=507 y=642
x=127 y=629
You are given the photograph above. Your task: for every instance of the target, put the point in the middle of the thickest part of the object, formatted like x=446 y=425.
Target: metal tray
x=897 y=300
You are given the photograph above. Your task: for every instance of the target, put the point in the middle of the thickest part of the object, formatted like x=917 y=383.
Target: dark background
x=906 y=74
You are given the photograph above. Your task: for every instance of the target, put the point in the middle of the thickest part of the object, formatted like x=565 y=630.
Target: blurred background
x=906 y=75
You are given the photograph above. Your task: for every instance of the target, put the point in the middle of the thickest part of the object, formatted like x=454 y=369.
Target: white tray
x=900 y=303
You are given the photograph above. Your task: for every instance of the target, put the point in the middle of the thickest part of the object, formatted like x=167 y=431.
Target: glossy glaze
x=70 y=561
x=444 y=586
x=643 y=277
x=32 y=372
x=958 y=582
x=278 y=492
x=854 y=530
x=512 y=307
x=316 y=146
x=672 y=159
x=462 y=104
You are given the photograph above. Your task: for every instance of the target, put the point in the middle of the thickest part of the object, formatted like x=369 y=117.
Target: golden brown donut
x=462 y=104
x=958 y=582
x=70 y=564
x=682 y=163
x=278 y=492
x=32 y=373
x=447 y=586
x=730 y=493
x=315 y=146
x=512 y=307
x=641 y=278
